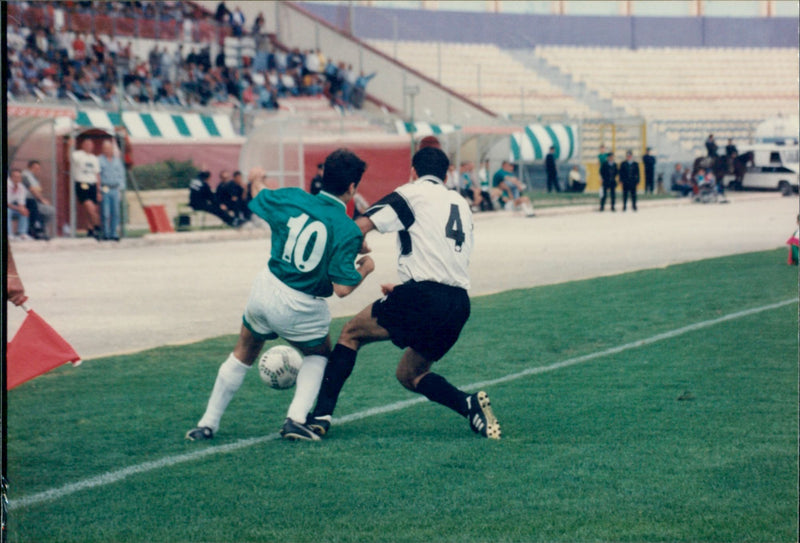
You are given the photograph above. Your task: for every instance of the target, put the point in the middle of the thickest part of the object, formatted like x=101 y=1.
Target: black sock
x=437 y=389
x=340 y=366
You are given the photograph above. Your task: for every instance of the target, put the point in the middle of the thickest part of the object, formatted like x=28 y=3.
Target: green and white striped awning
x=161 y=125
x=422 y=129
x=535 y=141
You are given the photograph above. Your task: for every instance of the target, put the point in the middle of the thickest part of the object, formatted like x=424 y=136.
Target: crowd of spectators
x=51 y=61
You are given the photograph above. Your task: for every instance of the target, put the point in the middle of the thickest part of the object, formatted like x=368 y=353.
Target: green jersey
x=314 y=242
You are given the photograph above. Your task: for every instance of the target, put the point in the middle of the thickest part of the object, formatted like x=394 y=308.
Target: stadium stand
x=165 y=54
x=487 y=75
x=618 y=76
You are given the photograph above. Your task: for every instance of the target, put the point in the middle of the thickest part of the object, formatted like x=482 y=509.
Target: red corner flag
x=36 y=349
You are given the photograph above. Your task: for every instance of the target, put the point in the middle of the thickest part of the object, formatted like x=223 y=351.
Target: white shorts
x=275 y=309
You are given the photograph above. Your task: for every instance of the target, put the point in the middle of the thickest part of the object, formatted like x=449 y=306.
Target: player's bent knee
x=406 y=377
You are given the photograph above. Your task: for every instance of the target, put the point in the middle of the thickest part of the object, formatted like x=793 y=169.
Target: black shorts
x=426 y=316
x=86 y=191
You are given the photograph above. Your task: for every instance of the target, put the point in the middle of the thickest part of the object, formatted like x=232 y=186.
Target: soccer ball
x=278 y=366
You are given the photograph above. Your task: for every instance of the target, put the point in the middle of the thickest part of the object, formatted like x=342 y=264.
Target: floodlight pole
x=411 y=91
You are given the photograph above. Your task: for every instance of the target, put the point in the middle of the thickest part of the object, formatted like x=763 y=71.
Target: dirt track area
x=175 y=288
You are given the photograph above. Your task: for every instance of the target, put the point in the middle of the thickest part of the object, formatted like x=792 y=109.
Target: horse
x=717 y=165
x=740 y=163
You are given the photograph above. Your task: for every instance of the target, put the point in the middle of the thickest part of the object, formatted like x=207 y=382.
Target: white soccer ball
x=278 y=366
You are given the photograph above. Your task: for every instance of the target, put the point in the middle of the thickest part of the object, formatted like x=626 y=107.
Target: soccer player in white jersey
x=425 y=313
x=313 y=255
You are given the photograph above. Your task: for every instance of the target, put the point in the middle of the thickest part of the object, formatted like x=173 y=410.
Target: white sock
x=229 y=378
x=527 y=208
x=309 y=379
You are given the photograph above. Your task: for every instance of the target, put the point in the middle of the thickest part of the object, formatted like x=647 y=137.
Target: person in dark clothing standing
x=629 y=179
x=608 y=173
x=316 y=181
x=649 y=162
x=552 y=172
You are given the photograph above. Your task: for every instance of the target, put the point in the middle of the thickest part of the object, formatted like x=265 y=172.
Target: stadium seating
x=688 y=93
x=487 y=75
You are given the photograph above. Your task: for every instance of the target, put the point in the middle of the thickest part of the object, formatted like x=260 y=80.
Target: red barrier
x=157 y=219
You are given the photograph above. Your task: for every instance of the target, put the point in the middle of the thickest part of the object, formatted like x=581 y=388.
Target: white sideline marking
x=118 y=475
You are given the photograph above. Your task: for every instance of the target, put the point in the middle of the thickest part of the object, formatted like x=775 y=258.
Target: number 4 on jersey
x=454 y=228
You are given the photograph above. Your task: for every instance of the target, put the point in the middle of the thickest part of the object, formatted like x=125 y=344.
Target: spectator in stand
x=15 y=201
x=312 y=65
x=348 y=84
x=289 y=84
x=78 y=48
x=335 y=80
x=86 y=179
x=98 y=48
x=154 y=59
x=14 y=38
x=576 y=183
x=295 y=59
x=360 y=89
x=552 y=172
x=258 y=24
x=41 y=211
x=608 y=173
x=222 y=14
x=237 y=20
x=167 y=95
x=649 y=162
x=629 y=179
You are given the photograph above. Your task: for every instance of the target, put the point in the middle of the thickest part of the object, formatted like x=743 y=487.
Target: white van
x=774 y=167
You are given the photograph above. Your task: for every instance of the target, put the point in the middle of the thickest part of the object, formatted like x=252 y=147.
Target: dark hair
x=203 y=175
x=341 y=168
x=32 y=163
x=431 y=161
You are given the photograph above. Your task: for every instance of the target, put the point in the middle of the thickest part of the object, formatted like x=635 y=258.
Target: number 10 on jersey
x=296 y=250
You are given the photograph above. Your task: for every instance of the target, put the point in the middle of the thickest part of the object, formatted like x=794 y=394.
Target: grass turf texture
x=692 y=438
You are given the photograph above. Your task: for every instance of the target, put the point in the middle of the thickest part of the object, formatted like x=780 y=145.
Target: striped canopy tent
x=162 y=126
x=534 y=142
x=422 y=129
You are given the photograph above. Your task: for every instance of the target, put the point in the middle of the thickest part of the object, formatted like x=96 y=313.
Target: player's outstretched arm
x=365 y=224
x=365 y=266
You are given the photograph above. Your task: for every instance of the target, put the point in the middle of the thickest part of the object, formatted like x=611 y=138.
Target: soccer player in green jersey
x=313 y=255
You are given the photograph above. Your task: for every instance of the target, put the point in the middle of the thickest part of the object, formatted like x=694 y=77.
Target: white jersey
x=434 y=231
x=85 y=167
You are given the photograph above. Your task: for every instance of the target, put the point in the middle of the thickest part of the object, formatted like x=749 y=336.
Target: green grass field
x=690 y=434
